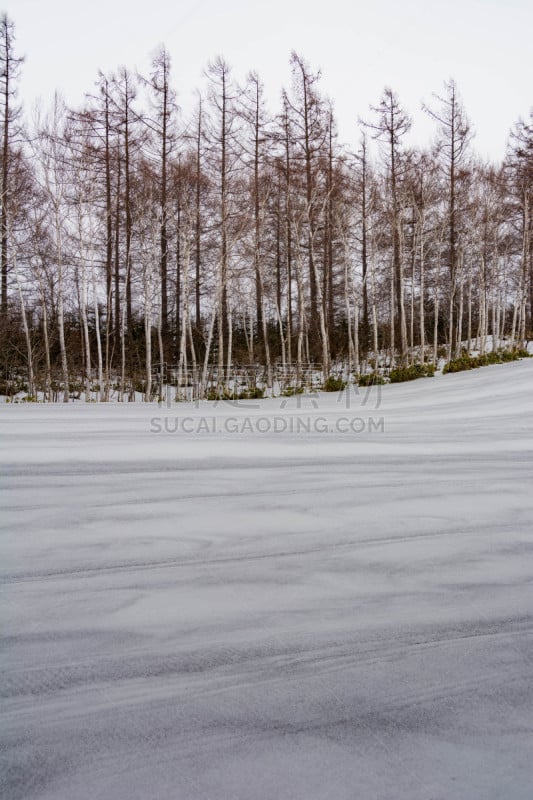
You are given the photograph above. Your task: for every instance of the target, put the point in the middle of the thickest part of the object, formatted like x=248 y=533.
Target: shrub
x=460 y=364
x=216 y=394
x=465 y=362
x=370 y=379
x=411 y=373
x=290 y=391
x=333 y=384
x=513 y=355
x=255 y=393
x=494 y=357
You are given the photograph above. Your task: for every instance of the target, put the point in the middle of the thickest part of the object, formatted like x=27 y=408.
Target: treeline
x=132 y=236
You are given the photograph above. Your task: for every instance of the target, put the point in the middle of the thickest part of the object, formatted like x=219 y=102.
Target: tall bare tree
x=10 y=114
x=391 y=125
x=452 y=147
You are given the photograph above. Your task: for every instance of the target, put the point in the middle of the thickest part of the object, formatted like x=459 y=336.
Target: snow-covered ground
x=254 y=614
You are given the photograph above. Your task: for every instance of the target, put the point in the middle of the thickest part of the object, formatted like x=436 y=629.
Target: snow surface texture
x=246 y=616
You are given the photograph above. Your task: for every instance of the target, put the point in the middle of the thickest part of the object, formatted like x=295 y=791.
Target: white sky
x=411 y=45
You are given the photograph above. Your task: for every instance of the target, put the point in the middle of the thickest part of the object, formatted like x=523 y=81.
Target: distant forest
x=133 y=237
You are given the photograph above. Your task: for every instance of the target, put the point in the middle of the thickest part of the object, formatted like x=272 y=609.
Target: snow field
x=254 y=615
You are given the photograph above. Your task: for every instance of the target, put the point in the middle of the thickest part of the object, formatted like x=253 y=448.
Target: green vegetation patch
x=466 y=362
x=333 y=384
x=370 y=379
x=411 y=373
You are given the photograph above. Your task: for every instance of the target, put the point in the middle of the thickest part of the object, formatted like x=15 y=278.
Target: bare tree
x=51 y=150
x=452 y=147
x=162 y=126
x=519 y=167
x=391 y=125
x=10 y=116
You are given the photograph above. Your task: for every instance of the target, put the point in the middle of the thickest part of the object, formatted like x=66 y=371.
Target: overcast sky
x=410 y=45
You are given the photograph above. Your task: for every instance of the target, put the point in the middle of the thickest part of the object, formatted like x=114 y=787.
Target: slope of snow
x=246 y=615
